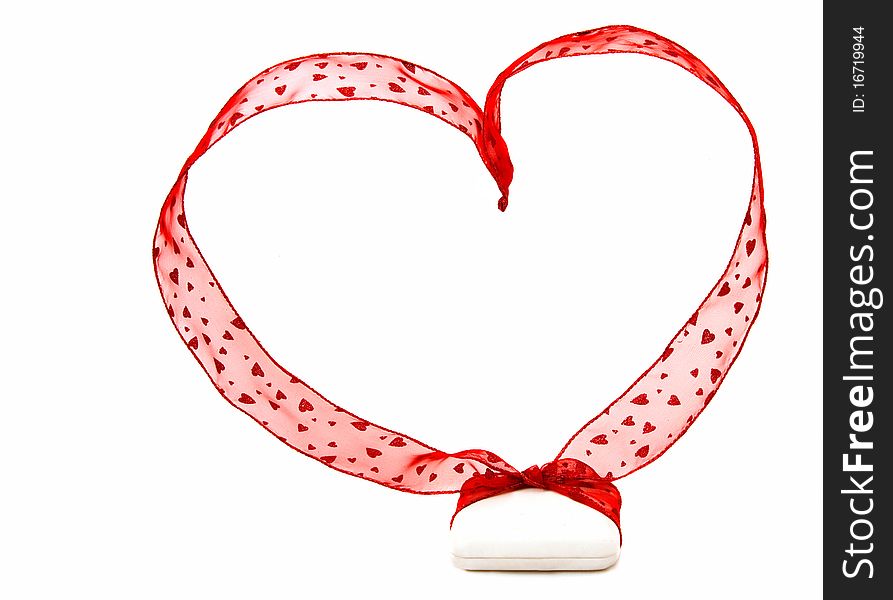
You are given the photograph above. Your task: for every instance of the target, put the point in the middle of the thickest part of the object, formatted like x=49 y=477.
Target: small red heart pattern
x=688 y=371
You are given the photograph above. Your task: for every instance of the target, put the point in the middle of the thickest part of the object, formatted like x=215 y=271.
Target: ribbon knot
x=533 y=477
x=567 y=476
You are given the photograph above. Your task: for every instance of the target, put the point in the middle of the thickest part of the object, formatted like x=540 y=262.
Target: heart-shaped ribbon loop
x=633 y=430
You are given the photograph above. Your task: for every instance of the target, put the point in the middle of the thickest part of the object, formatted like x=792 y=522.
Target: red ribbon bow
x=567 y=476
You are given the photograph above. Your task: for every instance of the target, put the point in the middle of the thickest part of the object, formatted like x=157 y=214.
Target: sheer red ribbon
x=632 y=431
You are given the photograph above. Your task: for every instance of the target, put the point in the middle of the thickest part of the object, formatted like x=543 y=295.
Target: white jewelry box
x=533 y=530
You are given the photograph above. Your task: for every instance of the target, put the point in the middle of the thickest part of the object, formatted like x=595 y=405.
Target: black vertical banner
x=858 y=370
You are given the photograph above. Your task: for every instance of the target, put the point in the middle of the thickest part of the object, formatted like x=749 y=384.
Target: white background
x=361 y=243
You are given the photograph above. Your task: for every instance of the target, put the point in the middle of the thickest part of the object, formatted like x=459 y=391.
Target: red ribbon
x=634 y=429
x=567 y=476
